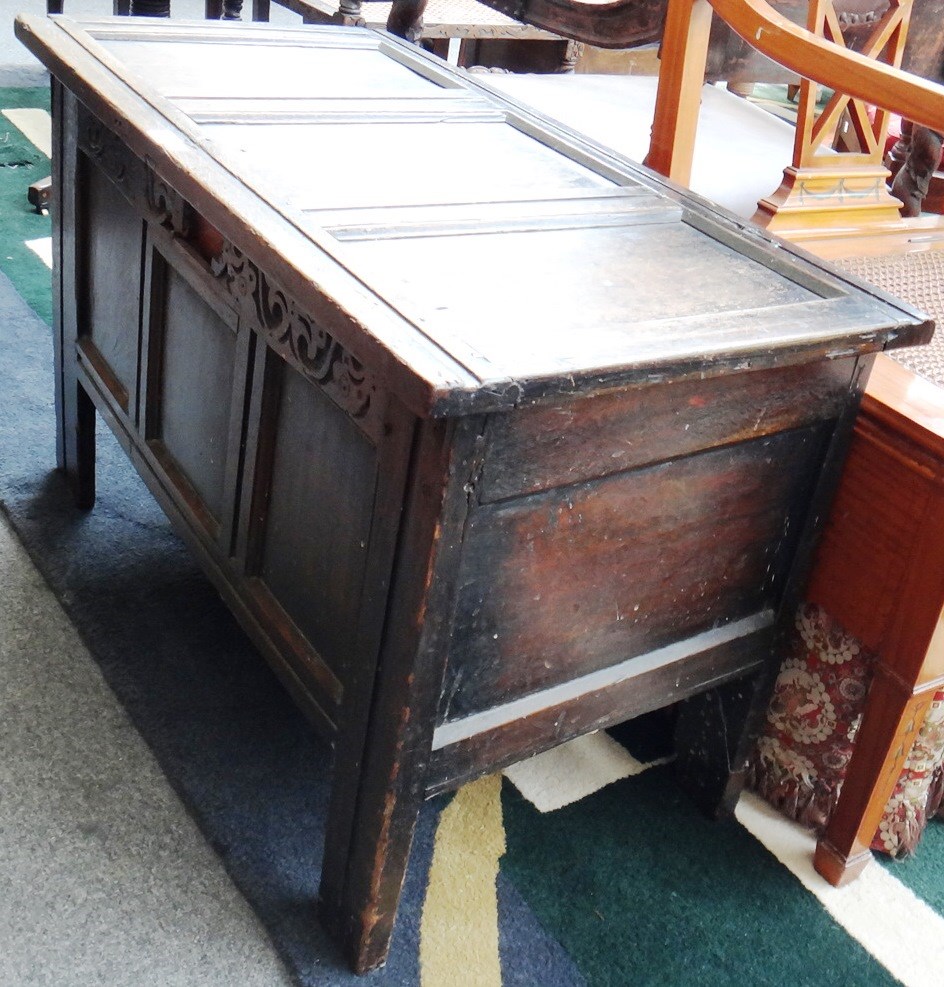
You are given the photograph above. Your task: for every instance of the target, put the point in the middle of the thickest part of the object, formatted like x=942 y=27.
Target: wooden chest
x=489 y=437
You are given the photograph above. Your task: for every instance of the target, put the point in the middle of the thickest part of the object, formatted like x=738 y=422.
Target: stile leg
x=713 y=738
x=75 y=413
x=75 y=419
x=381 y=762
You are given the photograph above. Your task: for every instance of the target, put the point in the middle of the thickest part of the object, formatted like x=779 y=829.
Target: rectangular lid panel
x=486 y=252
x=551 y=301
x=264 y=69
x=323 y=166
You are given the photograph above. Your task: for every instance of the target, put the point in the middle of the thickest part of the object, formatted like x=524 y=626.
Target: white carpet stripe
x=899 y=929
x=35 y=125
x=573 y=771
x=43 y=249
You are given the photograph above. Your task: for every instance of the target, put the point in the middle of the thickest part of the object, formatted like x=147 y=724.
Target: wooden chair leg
x=39 y=194
x=405 y=19
x=260 y=10
x=213 y=10
x=678 y=98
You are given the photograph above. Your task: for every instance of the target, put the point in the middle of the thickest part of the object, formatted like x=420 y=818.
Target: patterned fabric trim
x=800 y=760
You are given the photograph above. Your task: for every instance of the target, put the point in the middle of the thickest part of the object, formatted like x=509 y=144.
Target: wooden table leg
x=406 y=19
x=893 y=716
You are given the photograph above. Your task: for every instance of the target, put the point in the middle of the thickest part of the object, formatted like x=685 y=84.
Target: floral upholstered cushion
x=800 y=761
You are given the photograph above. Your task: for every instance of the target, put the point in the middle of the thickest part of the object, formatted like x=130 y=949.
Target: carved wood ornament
x=294 y=334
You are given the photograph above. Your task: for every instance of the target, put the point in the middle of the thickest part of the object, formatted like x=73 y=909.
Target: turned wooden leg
x=406 y=19
x=913 y=180
x=894 y=714
x=150 y=8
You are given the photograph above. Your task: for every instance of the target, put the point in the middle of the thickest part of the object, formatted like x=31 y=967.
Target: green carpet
x=924 y=871
x=641 y=889
x=21 y=164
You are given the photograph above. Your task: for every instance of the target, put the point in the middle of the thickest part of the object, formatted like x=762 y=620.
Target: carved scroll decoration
x=143 y=188
x=167 y=205
x=101 y=145
x=295 y=335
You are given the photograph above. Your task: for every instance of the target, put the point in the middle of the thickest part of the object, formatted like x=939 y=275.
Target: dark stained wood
x=389 y=406
x=554 y=446
x=468 y=748
x=194 y=366
x=712 y=758
x=558 y=585
x=360 y=907
x=39 y=194
x=321 y=489
x=75 y=414
x=111 y=313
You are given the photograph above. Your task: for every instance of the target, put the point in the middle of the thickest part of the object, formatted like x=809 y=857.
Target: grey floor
x=104 y=878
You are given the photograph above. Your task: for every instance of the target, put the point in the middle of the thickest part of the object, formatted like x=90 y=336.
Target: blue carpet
x=235 y=748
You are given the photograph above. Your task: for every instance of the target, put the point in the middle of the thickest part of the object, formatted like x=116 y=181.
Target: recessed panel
x=563 y=583
x=111 y=253
x=317 y=529
x=550 y=302
x=266 y=70
x=377 y=163
x=198 y=355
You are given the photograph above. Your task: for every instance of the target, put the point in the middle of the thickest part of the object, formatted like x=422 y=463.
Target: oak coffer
x=488 y=436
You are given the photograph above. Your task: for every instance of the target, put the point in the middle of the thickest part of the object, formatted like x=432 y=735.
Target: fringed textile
x=800 y=761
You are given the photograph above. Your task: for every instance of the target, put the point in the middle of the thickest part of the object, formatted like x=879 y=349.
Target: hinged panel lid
x=477 y=252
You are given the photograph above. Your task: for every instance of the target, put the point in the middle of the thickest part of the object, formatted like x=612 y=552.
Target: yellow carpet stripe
x=900 y=930
x=459 y=926
x=35 y=125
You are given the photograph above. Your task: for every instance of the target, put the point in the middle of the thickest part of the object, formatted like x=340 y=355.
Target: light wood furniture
x=489 y=438
x=880 y=572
